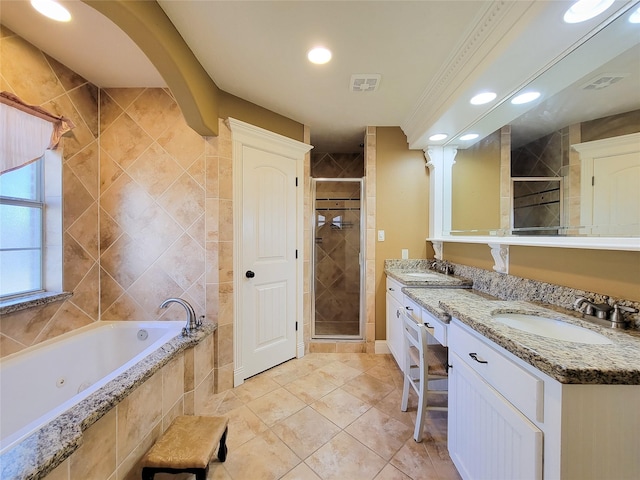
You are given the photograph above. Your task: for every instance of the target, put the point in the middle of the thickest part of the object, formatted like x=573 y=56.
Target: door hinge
x=296 y=326
x=593 y=181
x=296 y=253
x=296 y=181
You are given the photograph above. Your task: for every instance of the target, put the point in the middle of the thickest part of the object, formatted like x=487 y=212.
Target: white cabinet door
x=395 y=341
x=488 y=438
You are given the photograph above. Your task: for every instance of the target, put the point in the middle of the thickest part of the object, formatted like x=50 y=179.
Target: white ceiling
x=432 y=55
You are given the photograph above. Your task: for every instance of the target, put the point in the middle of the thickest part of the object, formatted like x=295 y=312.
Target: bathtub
x=42 y=382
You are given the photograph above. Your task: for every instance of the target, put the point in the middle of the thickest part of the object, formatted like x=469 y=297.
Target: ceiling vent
x=365 y=82
x=603 y=80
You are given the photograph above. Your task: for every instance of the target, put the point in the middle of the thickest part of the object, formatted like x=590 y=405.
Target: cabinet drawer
x=394 y=288
x=413 y=309
x=436 y=327
x=521 y=388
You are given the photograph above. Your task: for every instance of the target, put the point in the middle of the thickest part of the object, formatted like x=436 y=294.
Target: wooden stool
x=187 y=446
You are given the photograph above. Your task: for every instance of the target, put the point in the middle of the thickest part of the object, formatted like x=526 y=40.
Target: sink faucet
x=586 y=306
x=192 y=324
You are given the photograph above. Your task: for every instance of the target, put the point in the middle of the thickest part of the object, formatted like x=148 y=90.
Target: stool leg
x=201 y=474
x=148 y=474
x=222 y=451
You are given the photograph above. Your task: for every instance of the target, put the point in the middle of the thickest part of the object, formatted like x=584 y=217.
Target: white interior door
x=616 y=194
x=269 y=259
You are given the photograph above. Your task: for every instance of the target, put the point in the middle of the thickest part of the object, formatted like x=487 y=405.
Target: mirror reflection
x=571 y=164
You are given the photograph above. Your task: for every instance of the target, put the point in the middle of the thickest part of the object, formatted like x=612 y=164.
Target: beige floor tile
x=310 y=387
x=389 y=472
x=264 y=457
x=391 y=406
x=254 y=388
x=380 y=432
x=338 y=373
x=345 y=458
x=276 y=406
x=243 y=426
x=340 y=407
x=413 y=460
x=273 y=434
x=301 y=472
x=367 y=388
x=305 y=431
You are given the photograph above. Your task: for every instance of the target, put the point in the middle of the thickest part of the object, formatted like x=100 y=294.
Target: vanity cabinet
x=395 y=341
x=509 y=420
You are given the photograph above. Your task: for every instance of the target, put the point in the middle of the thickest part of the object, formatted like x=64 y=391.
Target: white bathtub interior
x=41 y=382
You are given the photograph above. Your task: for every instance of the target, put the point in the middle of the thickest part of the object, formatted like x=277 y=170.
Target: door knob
x=249 y=274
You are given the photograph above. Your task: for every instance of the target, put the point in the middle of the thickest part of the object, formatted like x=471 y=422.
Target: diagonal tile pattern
x=304 y=420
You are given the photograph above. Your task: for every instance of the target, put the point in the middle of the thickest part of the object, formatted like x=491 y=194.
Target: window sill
x=36 y=300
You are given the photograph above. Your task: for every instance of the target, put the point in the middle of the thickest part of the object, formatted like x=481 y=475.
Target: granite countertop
x=38 y=454
x=427 y=278
x=567 y=362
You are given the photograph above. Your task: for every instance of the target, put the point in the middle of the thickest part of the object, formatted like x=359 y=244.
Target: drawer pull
x=475 y=357
x=391 y=289
x=409 y=309
x=427 y=325
x=397 y=313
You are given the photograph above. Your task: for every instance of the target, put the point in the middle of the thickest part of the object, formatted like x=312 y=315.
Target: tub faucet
x=192 y=324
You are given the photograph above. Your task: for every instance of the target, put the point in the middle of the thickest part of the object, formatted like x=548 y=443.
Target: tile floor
x=329 y=416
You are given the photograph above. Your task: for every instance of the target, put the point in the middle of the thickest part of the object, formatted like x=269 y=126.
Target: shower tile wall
x=545 y=157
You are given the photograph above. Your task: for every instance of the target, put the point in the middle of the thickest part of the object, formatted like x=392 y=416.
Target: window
x=21 y=231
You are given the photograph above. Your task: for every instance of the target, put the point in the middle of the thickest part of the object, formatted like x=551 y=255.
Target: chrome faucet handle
x=617 y=319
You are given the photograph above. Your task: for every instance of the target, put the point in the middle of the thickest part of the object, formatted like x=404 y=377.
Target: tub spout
x=192 y=324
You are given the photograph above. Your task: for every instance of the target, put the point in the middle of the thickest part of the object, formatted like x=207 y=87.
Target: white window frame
x=50 y=195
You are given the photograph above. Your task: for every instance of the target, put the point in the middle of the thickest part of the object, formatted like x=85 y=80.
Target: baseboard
x=381 y=347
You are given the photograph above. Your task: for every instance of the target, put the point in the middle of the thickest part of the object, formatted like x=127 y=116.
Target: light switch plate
x=405 y=253
x=381 y=235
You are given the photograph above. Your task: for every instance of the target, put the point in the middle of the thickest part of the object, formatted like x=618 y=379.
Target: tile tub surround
x=70 y=435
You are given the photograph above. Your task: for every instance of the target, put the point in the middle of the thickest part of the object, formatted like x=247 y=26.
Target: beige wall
x=402 y=207
x=609 y=272
x=475 y=189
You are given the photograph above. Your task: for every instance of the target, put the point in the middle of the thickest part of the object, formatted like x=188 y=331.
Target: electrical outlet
x=405 y=253
x=381 y=235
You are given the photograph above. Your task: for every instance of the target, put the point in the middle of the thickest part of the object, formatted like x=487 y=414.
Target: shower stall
x=338 y=259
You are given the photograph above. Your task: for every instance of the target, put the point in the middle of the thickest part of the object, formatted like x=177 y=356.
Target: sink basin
x=423 y=276
x=550 y=328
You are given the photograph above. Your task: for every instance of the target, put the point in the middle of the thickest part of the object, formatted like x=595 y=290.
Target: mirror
x=570 y=165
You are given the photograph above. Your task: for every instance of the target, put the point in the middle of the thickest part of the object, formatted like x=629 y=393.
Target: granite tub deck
x=38 y=454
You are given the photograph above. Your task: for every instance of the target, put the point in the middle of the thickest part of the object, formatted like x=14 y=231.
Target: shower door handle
x=249 y=274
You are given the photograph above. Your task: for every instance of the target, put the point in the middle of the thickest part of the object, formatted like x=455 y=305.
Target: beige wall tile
x=203 y=360
x=204 y=400
x=96 y=457
x=130 y=468
x=172 y=383
x=61 y=472
x=138 y=414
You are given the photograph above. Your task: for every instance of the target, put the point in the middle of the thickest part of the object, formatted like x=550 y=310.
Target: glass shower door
x=337 y=258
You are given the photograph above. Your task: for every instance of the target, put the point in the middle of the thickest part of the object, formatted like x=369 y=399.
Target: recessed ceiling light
x=438 y=136
x=635 y=16
x=52 y=10
x=319 y=55
x=525 y=97
x=584 y=10
x=482 y=98
x=469 y=136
